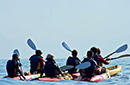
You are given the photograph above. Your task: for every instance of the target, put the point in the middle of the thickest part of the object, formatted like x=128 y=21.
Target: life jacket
x=34 y=62
x=11 y=68
x=95 y=57
x=71 y=61
x=50 y=69
x=90 y=70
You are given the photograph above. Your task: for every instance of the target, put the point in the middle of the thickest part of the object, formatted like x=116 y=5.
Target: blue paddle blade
x=16 y=52
x=66 y=46
x=31 y=44
x=122 y=48
x=83 y=65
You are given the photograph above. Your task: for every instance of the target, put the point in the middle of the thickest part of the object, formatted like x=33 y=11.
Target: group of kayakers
x=51 y=69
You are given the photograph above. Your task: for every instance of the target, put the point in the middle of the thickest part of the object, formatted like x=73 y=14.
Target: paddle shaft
x=109 y=55
x=126 y=55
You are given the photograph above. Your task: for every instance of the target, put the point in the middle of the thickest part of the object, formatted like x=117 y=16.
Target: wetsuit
x=12 y=68
x=37 y=64
x=51 y=69
x=72 y=61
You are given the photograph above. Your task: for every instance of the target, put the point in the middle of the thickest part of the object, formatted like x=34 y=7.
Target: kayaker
x=74 y=60
x=12 y=67
x=36 y=62
x=102 y=61
x=51 y=69
x=95 y=56
x=89 y=72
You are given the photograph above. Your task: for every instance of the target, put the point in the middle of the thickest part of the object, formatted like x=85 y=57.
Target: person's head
x=90 y=54
x=50 y=57
x=15 y=57
x=74 y=53
x=38 y=52
x=94 y=49
x=98 y=51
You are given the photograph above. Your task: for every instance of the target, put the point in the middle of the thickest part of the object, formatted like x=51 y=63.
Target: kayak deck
x=66 y=76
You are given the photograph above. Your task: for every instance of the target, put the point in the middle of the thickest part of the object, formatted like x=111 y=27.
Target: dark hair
x=15 y=56
x=38 y=52
x=90 y=54
x=98 y=51
x=74 y=52
x=94 y=49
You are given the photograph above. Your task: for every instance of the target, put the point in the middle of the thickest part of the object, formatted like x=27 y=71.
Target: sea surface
x=122 y=78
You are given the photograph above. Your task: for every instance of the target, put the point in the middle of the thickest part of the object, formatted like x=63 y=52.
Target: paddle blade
x=66 y=46
x=66 y=67
x=83 y=65
x=122 y=48
x=31 y=44
x=16 y=52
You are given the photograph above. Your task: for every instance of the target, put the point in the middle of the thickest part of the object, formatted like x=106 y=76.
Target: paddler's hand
x=108 y=59
x=20 y=64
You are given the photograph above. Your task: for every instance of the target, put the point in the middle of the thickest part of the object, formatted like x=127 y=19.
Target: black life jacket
x=50 y=69
x=71 y=61
x=11 y=68
x=34 y=62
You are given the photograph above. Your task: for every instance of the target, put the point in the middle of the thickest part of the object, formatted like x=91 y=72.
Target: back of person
x=11 y=68
x=90 y=70
x=50 y=69
x=95 y=57
x=34 y=60
x=73 y=61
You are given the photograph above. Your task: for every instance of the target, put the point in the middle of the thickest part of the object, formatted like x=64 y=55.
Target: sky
x=82 y=24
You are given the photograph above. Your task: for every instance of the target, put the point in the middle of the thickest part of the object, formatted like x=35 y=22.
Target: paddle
x=66 y=46
x=120 y=49
x=125 y=55
x=83 y=65
x=66 y=67
x=31 y=44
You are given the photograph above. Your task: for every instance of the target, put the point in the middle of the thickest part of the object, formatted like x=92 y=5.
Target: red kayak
x=28 y=77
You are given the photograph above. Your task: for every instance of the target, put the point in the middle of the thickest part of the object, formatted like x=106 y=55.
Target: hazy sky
x=80 y=23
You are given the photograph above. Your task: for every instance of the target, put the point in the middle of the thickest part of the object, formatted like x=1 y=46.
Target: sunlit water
x=122 y=78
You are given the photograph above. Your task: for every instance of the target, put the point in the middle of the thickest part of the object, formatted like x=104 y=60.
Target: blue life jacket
x=50 y=69
x=71 y=61
x=90 y=70
x=34 y=62
x=11 y=68
x=95 y=57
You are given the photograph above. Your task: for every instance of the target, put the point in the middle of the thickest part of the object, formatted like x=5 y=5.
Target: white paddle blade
x=122 y=48
x=31 y=44
x=66 y=67
x=66 y=46
x=83 y=65
x=16 y=52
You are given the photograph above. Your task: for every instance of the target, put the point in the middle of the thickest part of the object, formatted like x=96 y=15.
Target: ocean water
x=122 y=78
